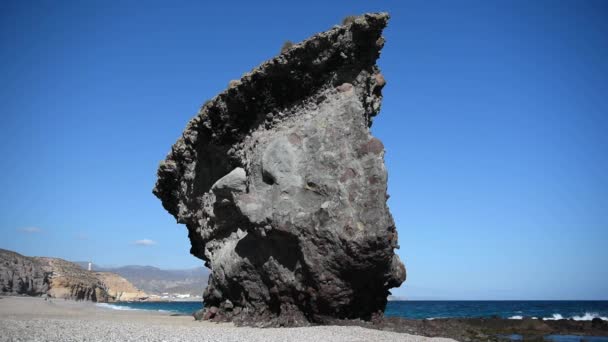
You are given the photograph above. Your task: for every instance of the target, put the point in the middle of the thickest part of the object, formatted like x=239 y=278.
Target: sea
x=547 y=310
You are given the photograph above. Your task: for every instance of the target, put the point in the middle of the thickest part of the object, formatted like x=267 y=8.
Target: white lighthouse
x=90 y=265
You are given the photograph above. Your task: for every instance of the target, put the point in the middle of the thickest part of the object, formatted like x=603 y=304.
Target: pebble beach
x=34 y=319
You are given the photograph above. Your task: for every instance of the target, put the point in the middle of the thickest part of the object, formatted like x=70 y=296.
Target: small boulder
x=198 y=314
x=599 y=323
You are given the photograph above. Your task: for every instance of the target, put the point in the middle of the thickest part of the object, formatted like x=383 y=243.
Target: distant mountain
x=154 y=280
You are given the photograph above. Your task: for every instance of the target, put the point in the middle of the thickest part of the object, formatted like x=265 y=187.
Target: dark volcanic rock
x=283 y=188
x=493 y=329
x=198 y=314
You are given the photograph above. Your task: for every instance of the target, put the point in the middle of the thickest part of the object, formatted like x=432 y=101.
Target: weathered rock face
x=36 y=276
x=119 y=288
x=58 y=278
x=283 y=188
x=20 y=275
x=70 y=281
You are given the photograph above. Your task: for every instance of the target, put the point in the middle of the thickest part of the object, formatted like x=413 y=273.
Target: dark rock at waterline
x=198 y=314
x=283 y=188
x=483 y=329
x=599 y=323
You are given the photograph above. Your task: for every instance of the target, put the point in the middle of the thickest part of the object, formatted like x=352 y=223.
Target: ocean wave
x=589 y=316
x=586 y=317
x=115 y=307
x=127 y=308
x=519 y=317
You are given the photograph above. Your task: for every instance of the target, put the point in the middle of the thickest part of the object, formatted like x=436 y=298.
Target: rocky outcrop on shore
x=283 y=188
x=119 y=288
x=69 y=281
x=491 y=329
x=57 y=278
x=22 y=275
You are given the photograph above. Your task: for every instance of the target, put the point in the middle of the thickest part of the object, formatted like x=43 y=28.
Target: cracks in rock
x=276 y=241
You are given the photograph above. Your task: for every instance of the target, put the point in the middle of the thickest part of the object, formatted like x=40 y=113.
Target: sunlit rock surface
x=283 y=188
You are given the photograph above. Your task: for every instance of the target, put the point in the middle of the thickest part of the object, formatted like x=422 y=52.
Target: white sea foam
x=589 y=316
x=114 y=307
x=126 y=308
x=516 y=317
x=586 y=317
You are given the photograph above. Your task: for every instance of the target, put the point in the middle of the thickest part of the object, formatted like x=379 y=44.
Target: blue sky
x=494 y=120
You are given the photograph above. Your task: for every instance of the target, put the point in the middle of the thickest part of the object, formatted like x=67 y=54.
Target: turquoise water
x=185 y=308
x=549 y=310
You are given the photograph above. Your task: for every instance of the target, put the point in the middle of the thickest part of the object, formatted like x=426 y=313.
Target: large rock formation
x=283 y=188
x=20 y=275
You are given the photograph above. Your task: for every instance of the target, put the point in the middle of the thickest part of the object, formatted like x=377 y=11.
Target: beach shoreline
x=33 y=318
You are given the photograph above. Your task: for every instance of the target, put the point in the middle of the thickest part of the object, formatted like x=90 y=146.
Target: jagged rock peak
x=283 y=188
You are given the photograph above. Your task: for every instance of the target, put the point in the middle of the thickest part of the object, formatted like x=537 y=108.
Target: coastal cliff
x=22 y=275
x=69 y=281
x=58 y=278
x=282 y=187
x=119 y=288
